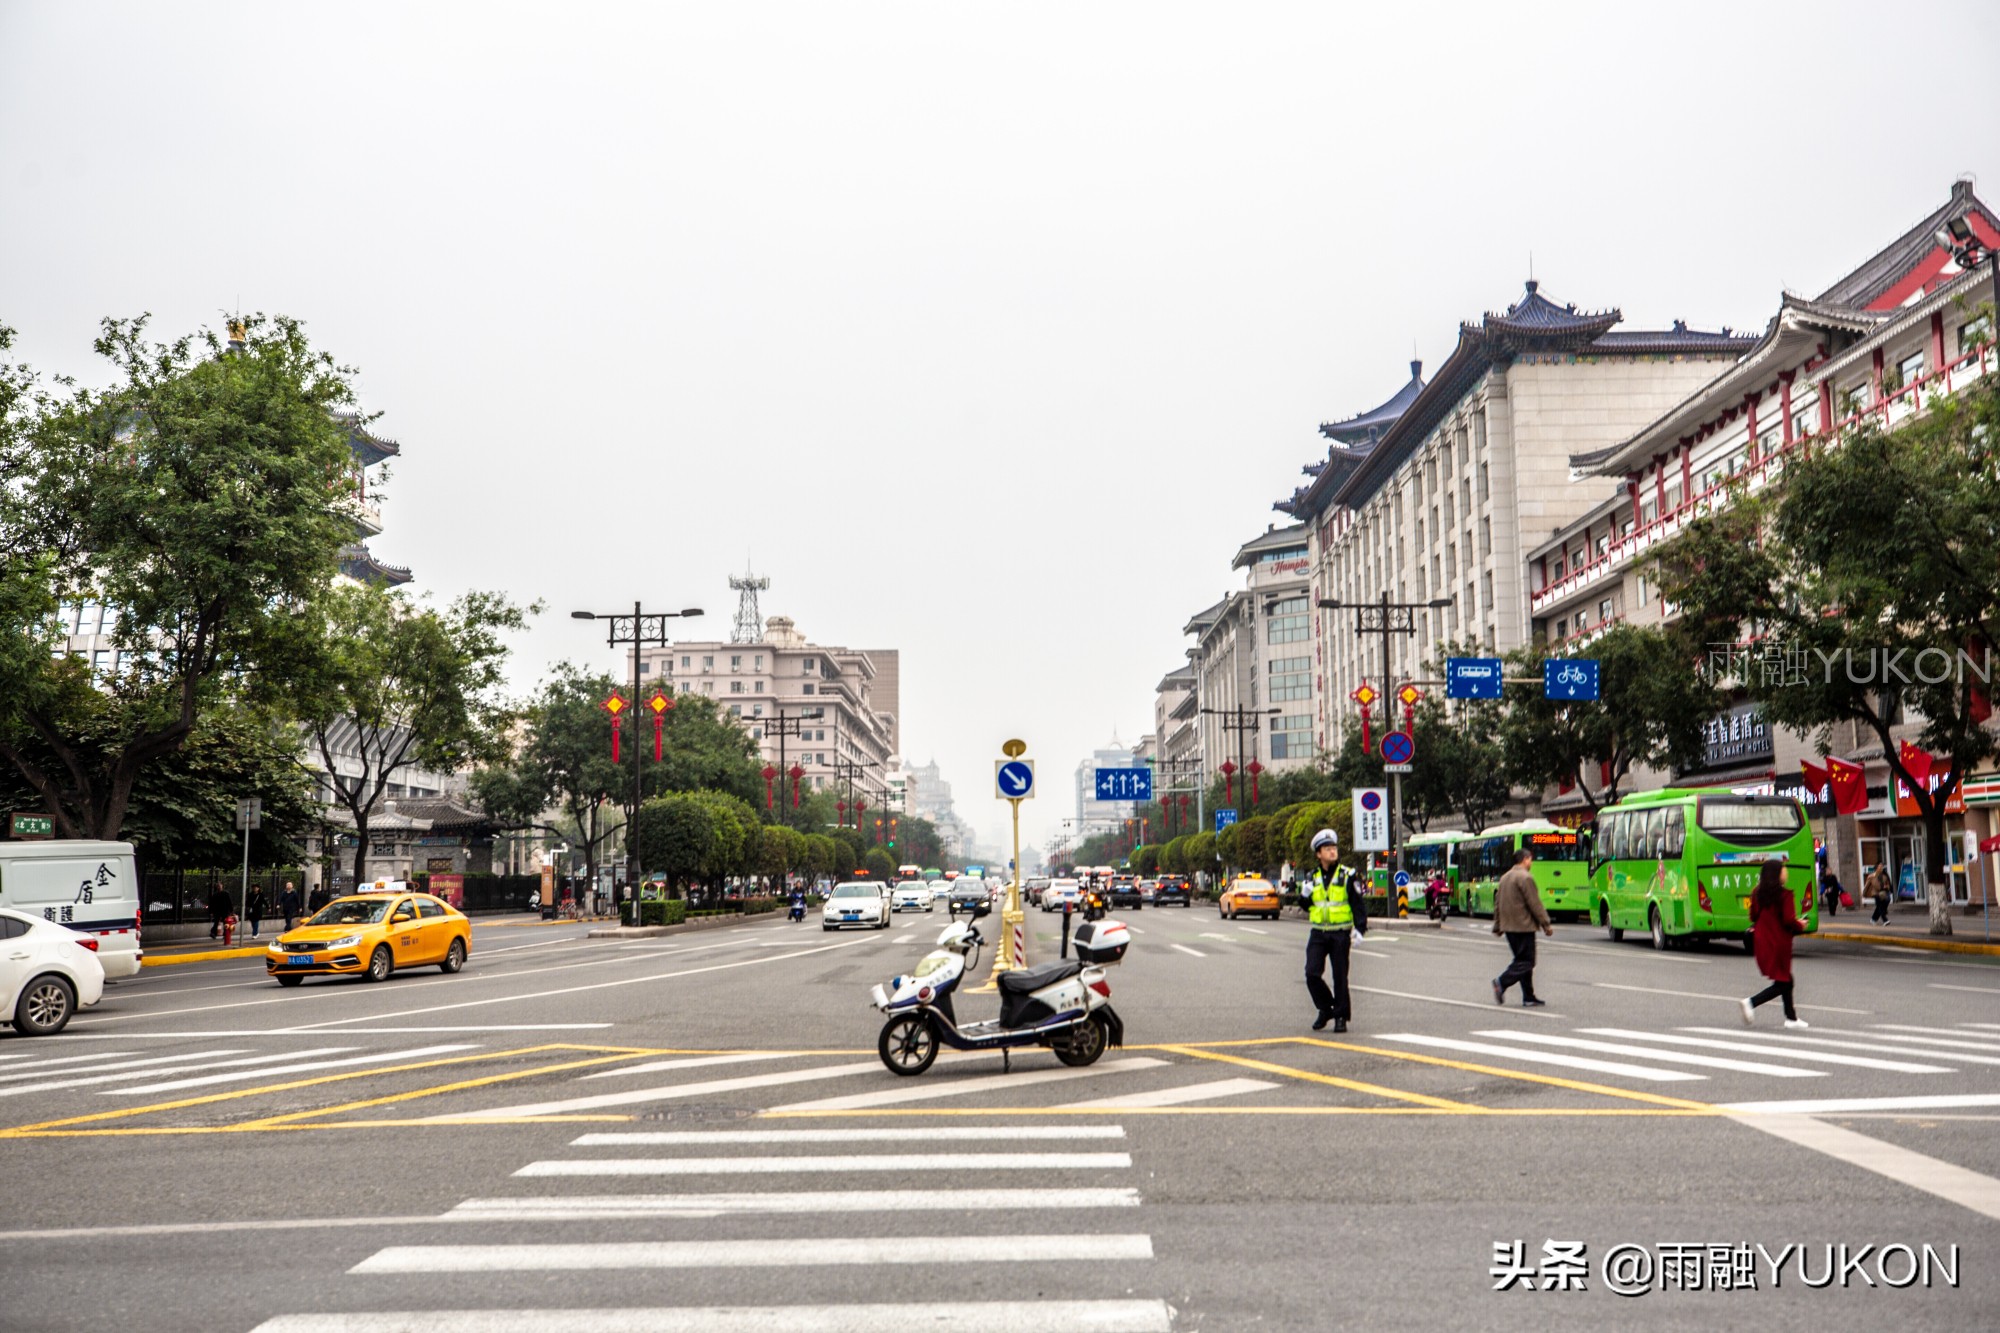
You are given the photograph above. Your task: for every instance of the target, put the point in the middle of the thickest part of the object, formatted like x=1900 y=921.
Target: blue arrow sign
x=1569 y=678
x=1015 y=779
x=1224 y=818
x=1124 y=784
x=1472 y=678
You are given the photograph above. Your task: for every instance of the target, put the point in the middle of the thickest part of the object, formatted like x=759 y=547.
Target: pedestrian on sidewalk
x=1830 y=892
x=1877 y=886
x=1336 y=913
x=220 y=904
x=253 y=910
x=317 y=899
x=1517 y=914
x=288 y=904
x=1772 y=925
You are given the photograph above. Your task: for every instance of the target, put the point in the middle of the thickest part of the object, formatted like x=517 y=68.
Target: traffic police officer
x=1336 y=913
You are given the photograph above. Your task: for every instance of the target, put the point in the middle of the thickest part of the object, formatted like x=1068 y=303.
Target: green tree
x=703 y=749
x=206 y=495
x=1868 y=577
x=391 y=685
x=879 y=864
x=1651 y=710
x=1146 y=860
x=676 y=835
x=563 y=760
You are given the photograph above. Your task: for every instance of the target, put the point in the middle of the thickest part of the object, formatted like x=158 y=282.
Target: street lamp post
x=788 y=724
x=638 y=629
x=1242 y=721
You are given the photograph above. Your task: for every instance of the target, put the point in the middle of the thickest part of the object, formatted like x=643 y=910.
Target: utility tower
x=749 y=623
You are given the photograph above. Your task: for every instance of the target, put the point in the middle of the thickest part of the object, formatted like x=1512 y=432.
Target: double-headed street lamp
x=1243 y=721
x=639 y=629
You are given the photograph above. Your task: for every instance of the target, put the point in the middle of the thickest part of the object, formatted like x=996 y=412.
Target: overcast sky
x=987 y=331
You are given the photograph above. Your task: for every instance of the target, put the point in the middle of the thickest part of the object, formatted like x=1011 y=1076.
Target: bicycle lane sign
x=1569 y=678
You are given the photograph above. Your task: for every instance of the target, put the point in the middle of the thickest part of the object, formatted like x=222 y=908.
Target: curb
x=1935 y=946
x=206 y=955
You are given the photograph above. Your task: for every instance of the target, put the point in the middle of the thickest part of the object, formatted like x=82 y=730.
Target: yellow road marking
x=206 y=955
x=1352 y=1085
x=460 y=1086
x=1552 y=1080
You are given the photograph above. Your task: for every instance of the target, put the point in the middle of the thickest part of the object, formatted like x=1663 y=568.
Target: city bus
x=1428 y=854
x=1681 y=865
x=1560 y=872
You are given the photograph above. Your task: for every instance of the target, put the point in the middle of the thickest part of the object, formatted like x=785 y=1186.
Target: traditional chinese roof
x=1180 y=678
x=1201 y=620
x=1274 y=539
x=368 y=447
x=1535 y=323
x=1369 y=426
x=442 y=814
x=1902 y=269
x=358 y=564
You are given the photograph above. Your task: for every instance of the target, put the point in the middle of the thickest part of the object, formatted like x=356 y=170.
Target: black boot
x=1319 y=1023
x=1340 y=1025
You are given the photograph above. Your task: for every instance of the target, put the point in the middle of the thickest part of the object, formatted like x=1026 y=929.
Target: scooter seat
x=1023 y=980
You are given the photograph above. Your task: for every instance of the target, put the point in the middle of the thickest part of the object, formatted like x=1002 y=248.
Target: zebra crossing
x=1086 y=1231
x=116 y=1071
x=1698 y=1053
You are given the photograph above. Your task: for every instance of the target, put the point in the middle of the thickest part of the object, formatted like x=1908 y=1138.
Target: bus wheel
x=1659 y=929
x=1604 y=919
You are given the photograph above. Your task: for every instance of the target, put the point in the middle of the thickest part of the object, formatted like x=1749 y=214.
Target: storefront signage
x=1739 y=736
x=1906 y=801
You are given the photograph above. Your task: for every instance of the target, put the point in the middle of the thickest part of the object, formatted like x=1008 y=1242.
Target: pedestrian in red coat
x=1773 y=922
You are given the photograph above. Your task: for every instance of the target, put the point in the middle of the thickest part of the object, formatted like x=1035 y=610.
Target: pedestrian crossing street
x=1086 y=1231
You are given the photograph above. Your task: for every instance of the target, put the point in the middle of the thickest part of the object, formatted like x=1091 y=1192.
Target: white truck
x=92 y=887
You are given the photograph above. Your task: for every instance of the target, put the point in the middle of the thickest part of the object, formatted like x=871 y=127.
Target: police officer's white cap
x=1326 y=837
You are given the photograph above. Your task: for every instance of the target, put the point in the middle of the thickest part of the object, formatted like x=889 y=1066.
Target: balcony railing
x=1893 y=409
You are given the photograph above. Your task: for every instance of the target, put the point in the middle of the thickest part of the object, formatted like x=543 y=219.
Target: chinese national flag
x=1917 y=762
x=1850 y=786
x=1816 y=778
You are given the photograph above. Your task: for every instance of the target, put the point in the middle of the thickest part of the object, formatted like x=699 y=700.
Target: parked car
x=856 y=903
x=1249 y=895
x=47 y=973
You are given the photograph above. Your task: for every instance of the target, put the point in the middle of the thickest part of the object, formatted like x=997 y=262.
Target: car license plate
x=850 y=916
x=296 y=958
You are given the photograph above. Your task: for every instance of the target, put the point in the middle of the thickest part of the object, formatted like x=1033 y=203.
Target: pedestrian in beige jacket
x=1517 y=914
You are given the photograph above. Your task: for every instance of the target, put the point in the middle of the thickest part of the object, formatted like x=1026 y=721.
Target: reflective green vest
x=1330 y=908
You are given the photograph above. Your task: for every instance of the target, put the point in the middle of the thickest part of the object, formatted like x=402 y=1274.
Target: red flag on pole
x=1918 y=762
x=1850 y=786
x=1816 y=779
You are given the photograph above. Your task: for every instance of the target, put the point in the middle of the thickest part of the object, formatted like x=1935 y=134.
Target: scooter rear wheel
x=908 y=1044
x=1082 y=1044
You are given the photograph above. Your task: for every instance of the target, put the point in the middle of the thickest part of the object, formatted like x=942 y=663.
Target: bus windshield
x=1744 y=821
x=1553 y=846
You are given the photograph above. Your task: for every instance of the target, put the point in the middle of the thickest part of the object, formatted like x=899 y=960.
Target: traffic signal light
x=892 y=832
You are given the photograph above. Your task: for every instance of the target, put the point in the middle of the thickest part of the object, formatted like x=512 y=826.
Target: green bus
x=1680 y=864
x=1428 y=854
x=1560 y=872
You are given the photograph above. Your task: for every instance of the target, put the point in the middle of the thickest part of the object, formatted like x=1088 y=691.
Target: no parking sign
x=1371 y=819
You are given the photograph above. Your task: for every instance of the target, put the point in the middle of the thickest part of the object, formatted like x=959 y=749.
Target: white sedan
x=47 y=973
x=862 y=903
x=1061 y=893
x=913 y=897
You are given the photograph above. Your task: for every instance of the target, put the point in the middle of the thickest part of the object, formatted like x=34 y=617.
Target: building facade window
x=1288 y=621
x=1291 y=678
x=759 y=689
x=708 y=662
x=808 y=689
x=1292 y=737
x=736 y=687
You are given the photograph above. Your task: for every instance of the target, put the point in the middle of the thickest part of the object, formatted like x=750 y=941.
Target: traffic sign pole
x=1013 y=782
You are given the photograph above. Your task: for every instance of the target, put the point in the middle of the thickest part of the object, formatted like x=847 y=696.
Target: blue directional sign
x=1224 y=818
x=1569 y=678
x=1398 y=747
x=1014 y=779
x=1402 y=879
x=1124 y=784
x=1472 y=678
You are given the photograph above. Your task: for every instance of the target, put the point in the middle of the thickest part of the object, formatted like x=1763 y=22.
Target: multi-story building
x=929 y=797
x=1252 y=652
x=1906 y=327
x=1428 y=497
x=833 y=711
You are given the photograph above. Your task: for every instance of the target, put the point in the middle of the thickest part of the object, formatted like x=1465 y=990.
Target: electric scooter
x=798 y=912
x=1064 y=1005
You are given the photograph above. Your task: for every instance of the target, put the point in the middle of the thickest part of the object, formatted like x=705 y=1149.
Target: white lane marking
x=1463 y=1004
x=65 y=1081
x=1976 y=990
x=1670 y=1057
x=1193 y=1092
x=1134 y=929
x=668 y=1093
x=1366 y=953
x=538 y=944
x=579 y=1206
x=836 y=1251
x=902 y=939
x=1705 y=995
x=1968 y=1189
x=1946 y=1037
x=279 y=1071
x=1844 y=1044
x=40 y=1067
x=1822 y=1057
x=596 y=985
x=1109 y=1316
x=1643 y=1072
x=692 y=1062
x=68 y=1036
x=903 y=1134
x=842 y=1163
x=1253 y=930
x=970 y=1086
x=1184 y=949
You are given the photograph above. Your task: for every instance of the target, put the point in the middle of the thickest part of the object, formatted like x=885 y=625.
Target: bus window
x=1610 y=837
x=1656 y=835
x=1676 y=833
x=1746 y=821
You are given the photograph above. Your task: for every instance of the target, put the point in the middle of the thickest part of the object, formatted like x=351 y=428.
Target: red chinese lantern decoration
x=659 y=703
x=616 y=706
x=1229 y=781
x=1365 y=695
x=841 y=806
x=770 y=776
x=1253 y=769
x=795 y=773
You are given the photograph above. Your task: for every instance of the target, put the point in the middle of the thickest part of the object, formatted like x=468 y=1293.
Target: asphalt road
x=694 y=1133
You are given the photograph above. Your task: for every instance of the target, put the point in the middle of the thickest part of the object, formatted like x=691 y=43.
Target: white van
x=88 y=886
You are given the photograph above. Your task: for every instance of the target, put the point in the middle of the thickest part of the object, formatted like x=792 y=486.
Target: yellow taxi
x=371 y=934
x=1248 y=895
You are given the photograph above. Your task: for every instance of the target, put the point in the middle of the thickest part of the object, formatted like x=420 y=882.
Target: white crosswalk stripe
x=780 y=1166
x=580 y=1206
x=1026 y=1316
x=1956 y=1039
x=1644 y=1073
x=287 y=1070
x=1180 y=1096
x=852 y=1134
x=1670 y=1057
x=108 y=1062
x=761 y=1253
x=970 y=1086
x=1827 y=1037
x=1819 y=1057
x=65 y=1081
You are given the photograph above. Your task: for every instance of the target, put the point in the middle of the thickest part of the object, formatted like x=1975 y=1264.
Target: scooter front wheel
x=908 y=1044
x=1082 y=1044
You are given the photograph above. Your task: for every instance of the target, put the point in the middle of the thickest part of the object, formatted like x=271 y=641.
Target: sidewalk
x=201 y=949
x=1909 y=927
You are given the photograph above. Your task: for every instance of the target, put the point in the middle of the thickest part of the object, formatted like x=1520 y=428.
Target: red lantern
x=1253 y=770
x=659 y=703
x=616 y=706
x=795 y=773
x=770 y=776
x=1229 y=781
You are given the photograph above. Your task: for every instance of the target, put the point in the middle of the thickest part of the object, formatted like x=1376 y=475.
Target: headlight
x=343 y=942
x=277 y=946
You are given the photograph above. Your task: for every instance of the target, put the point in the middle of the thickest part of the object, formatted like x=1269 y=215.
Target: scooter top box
x=1101 y=942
